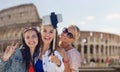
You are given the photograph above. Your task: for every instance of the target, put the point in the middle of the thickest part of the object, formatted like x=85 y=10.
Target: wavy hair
x=27 y=58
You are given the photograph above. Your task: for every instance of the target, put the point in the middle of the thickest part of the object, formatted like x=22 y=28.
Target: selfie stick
x=54 y=21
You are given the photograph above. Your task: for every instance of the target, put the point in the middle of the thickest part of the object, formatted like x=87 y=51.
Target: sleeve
x=14 y=64
x=61 y=68
x=4 y=65
x=75 y=60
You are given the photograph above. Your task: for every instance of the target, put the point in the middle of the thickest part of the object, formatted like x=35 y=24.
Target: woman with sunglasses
x=49 y=60
x=72 y=58
x=21 y=60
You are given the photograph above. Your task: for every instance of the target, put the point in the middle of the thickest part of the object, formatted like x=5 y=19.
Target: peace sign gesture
x=9 y=51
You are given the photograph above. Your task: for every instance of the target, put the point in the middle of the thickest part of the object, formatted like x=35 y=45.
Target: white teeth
x=31 y=43
x=47 y=38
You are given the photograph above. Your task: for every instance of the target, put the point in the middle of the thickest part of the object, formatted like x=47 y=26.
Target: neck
x=32 y=51
x=66 y=46
x=45 y=48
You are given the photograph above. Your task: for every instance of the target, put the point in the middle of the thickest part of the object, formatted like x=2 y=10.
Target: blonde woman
x=46 y=61
x=71 y=57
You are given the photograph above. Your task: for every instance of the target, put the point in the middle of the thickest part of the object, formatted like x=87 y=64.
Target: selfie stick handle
x=54 y=21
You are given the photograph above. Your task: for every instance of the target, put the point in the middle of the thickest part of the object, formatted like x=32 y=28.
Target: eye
x=44 y=30
x=34 y=36
x=51 y=31
x=27 y=37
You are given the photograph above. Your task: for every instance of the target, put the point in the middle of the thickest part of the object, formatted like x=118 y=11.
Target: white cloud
x=112 y=16
x=83 y=22
x=91 y=17
x=111 y=30
x=88 y=20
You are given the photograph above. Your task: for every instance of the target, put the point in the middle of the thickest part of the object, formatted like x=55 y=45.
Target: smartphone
x=47 y=20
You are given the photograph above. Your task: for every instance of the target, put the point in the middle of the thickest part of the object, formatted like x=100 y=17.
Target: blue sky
x=89 y=15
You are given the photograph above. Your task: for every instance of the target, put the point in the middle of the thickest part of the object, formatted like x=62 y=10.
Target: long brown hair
x=26 y=50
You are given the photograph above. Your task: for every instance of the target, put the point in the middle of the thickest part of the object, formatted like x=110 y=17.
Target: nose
x=47 y=34
x=31 y=38
x=64 y=34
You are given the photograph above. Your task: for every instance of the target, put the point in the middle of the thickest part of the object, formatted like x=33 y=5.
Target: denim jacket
x=14 y=63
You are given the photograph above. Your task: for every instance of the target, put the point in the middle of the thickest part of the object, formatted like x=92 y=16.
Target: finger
x=7 y=49
x=11 y=49
x=13 y=43
x=16 y=45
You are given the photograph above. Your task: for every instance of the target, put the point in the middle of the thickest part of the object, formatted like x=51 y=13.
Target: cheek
x=26 y=41
x=36 y=40
x=62 y=34
x=52 y=36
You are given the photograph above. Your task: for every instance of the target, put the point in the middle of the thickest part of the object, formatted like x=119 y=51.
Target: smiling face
x=47 y=34
x=31 y=38
x=68 y=36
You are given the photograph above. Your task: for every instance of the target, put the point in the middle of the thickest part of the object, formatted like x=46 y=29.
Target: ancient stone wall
x=13 y=20
x=99 y=45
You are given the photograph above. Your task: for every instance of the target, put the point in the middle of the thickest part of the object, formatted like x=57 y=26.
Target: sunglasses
x=69 y=34
x=29 y=28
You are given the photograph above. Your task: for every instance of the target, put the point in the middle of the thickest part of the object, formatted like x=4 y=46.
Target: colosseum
x=12 y=21
x=98 y=46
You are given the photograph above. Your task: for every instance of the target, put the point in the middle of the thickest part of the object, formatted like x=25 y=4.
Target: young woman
x=71 y=57
x=49 y=60
x=21 y=60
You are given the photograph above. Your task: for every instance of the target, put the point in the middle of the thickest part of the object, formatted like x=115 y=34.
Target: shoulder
x=17 y=54
x=61 y=50
x=18 y=51
x=73 y=52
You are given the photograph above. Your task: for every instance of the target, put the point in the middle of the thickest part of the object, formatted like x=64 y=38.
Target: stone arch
x=97 y=49
x=110 y=49
x=91 y=49
x=85 y=49
x=92 y=60
x=106 y=50
x=102 y=49
x=102 y=60
x=79 y=48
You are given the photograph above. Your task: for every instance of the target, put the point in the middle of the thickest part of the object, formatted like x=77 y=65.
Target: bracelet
x=65 y=61
x=59 y=65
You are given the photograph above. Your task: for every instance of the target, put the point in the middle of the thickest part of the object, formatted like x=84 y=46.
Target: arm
x=17 y=62
x=4 y=65
x=67 y=65
x=75 y=60
x=65 y=59
x=5 y=60
x=59 y=62
x=13 y=64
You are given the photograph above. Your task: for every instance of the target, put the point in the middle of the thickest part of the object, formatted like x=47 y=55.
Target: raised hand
x=9 y=51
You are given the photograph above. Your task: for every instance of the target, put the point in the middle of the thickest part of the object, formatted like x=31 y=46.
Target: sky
x=88 y=15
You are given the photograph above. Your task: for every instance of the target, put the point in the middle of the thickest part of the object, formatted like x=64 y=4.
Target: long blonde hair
x=77 y=33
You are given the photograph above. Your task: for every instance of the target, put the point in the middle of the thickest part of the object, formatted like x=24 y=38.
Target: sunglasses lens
x=65 y=30
x=70 y=35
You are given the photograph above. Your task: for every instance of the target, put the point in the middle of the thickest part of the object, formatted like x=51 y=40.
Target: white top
x=74 y=59
x=49 y=66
